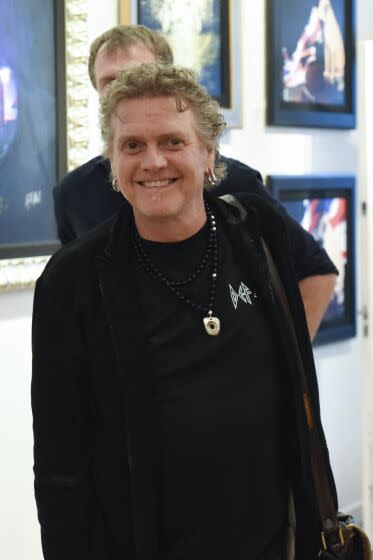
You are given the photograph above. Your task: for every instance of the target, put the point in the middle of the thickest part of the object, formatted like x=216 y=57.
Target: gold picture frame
x=125 y=11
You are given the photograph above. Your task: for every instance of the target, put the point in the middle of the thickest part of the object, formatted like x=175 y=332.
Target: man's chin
x=158 y=203
x=157 y=214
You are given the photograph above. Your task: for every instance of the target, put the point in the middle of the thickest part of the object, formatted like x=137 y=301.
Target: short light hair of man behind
x=125 y=36
x=164 y=80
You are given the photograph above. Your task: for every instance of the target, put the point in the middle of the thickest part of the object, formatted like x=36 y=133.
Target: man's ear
x=211 y=159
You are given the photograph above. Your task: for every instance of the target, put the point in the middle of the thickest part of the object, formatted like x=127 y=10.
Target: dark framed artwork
x=324 y=206
x=311 y=63
x=32 y=129
x=204 y=36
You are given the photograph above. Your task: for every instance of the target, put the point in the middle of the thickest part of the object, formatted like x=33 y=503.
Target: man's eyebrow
x=129 y=137
x=174 y=134
x=165 y=136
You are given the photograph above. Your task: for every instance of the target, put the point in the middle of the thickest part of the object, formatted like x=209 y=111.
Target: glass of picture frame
x=324 y=206
x=32 y=135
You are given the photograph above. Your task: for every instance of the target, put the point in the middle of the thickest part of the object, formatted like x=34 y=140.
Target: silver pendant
x=212 y=325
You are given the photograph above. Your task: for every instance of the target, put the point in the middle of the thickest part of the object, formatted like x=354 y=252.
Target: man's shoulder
x=236 y=167
x=240 y=178
x=77 y=257
x=251 y=202
x=96 y=170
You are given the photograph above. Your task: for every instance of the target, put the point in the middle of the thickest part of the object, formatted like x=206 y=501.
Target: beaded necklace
x=212 y=324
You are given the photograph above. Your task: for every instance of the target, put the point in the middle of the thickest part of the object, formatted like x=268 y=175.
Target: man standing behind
x=85 y=198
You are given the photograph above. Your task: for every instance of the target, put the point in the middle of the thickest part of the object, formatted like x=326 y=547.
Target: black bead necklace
x=212 y=324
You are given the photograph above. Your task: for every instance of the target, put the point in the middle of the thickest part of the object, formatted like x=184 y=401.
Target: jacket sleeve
x=308 y=256
x=61 y=423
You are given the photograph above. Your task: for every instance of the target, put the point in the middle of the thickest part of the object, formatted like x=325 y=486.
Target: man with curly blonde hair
x=165 y=396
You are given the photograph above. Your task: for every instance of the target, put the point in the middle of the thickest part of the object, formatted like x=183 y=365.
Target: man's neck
x=166 y=230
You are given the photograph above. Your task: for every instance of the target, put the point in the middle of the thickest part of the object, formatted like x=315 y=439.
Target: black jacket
x=96 y=452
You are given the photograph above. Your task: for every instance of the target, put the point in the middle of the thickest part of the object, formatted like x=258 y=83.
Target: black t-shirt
x=221 y=407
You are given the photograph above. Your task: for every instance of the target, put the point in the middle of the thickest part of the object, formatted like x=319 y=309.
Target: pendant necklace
x=210 y=255
x=212 y=324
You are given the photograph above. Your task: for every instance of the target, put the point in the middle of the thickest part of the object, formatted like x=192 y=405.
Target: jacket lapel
x=121 y=303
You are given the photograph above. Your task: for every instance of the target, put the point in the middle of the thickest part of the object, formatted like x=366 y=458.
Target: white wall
x=19 y=532
x=366 y=228
x=339 y=366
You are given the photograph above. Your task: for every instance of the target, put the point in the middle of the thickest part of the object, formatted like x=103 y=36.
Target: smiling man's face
x=160 y=164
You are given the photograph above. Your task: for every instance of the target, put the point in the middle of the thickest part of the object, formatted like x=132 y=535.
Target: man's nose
x=153 y=159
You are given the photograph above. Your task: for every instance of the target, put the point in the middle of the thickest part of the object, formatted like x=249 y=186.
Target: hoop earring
x=115 y=185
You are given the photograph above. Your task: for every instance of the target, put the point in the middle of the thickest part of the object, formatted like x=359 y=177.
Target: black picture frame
x=37 y=157
x=298 y=93
x=325 y=206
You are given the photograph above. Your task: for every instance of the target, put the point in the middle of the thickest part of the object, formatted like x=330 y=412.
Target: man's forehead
x=110 y=62
x=152 y=104
x=163 y=110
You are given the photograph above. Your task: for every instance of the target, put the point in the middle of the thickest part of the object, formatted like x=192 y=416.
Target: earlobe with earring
x=211 y=177
x=115 y=184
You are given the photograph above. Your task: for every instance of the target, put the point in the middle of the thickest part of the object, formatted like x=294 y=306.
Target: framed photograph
x=204 y=36
x=311 y=63
x=324 y=206
x=32 y=132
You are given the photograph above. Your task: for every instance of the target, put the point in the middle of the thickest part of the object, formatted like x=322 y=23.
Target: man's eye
x=174 y=142
x=131 y=146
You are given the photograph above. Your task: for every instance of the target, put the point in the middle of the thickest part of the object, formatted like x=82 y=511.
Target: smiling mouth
x=154 y=184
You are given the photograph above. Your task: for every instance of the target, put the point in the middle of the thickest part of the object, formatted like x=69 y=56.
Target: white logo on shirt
x=244 y=293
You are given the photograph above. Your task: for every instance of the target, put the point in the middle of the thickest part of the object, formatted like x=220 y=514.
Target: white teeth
x=163 y=183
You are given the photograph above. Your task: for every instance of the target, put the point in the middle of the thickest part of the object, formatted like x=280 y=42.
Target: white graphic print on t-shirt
x=244 y=293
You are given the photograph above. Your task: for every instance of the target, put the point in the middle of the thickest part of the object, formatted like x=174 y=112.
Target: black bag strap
x=324 y=497
x=328 y=514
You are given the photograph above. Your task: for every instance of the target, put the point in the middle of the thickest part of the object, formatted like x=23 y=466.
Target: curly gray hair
x=164 y=80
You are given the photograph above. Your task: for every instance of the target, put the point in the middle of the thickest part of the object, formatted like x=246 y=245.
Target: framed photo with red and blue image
x=324 y=206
